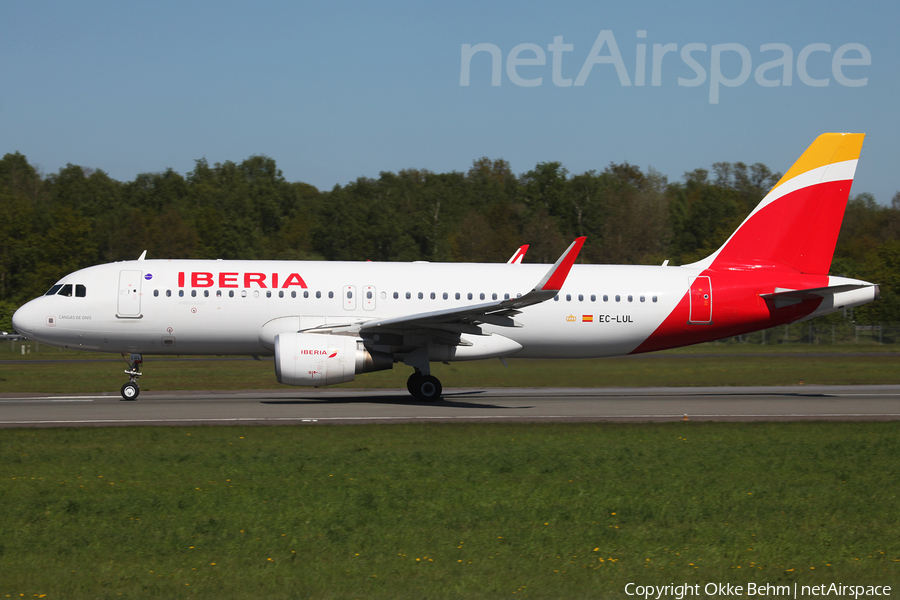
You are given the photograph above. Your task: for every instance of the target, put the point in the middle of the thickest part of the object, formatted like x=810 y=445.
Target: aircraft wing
x=466 y=319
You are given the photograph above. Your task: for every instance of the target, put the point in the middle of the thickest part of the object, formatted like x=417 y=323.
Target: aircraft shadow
x=447 y=400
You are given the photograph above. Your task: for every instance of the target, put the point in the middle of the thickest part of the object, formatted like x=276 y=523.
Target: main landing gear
x=131 y=389
x=424 y=387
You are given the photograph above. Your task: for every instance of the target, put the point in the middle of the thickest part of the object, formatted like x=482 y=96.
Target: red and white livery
x=326 y=322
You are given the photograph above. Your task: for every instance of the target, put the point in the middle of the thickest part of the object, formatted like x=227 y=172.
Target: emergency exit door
x=701 y=300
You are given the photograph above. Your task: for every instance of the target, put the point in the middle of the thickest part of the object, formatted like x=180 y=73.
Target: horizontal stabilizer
x=787 y=297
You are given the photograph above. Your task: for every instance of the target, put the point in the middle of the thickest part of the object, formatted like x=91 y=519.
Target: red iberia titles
x=199 y=279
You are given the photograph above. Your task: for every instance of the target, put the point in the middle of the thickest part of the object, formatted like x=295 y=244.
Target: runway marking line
x=432 y=418
x=63 y=399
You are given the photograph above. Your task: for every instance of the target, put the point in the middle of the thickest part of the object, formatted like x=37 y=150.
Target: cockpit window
x=66 y=290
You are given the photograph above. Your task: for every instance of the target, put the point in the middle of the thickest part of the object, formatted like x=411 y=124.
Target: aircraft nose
x=23 y=319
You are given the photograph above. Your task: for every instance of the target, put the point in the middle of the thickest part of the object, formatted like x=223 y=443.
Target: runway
x=345 y=406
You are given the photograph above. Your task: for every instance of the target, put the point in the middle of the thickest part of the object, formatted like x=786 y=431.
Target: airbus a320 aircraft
x=326 y=322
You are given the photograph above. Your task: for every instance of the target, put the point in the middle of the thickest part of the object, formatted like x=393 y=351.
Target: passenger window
x=605 y=298
x=168 y=293
x=80 y=291
x=618 y=298
x=556 y=298
x=193 y=293
x=206 y=293
x=421 y=295
x=446 y=296
x=231 y=293
x=52 y=291
x=243 y=293
x=642 y=298
x=331 y=294
x=408 y=295
x=506 y=296
x=654 y=298
x=593 y=297
x=293 y=294
x=568 y=297
x=432 y=295
x=318 y=294
x=368 y=295
x=66 y=290
x=493 y=296
x=470 y=295
x=349 y=294
x=396 y=295
x=581 y=297
x=630 y=298
x=280 y=293
x=306 y=294
x=268 y=293
x=482 y=295
x=218 y=293
x=155 y=293
x=256 y=293
x=181 y=293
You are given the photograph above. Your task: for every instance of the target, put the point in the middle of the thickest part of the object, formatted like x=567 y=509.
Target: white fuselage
x=217 y=309
x=223 y=307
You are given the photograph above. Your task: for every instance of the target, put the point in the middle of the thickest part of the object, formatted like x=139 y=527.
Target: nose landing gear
x=131 y=389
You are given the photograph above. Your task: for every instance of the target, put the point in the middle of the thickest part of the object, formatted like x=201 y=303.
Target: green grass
x=444 y=511
x=29 y=376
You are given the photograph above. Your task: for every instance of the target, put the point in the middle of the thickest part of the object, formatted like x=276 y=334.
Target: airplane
x=326 y=322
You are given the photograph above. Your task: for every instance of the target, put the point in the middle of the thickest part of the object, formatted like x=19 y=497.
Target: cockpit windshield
x=68 y=290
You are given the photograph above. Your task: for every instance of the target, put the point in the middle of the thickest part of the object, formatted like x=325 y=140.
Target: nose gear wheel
x=131 y=390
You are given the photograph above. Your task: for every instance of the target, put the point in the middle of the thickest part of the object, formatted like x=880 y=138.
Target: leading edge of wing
x=498 y=312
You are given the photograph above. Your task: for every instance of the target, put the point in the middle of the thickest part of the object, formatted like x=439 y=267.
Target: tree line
x=51 y=225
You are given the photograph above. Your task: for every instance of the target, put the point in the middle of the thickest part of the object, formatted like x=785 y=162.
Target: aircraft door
x=349 y=297
x=369 y=297
x=129 y=304
x=701 y=300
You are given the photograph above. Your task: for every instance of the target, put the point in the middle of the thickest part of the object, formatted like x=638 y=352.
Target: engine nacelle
x=310 y=359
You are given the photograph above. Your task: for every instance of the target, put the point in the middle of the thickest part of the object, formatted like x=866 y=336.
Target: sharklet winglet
x=556 y=276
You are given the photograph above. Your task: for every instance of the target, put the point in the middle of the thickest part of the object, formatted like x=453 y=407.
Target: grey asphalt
x=332 y=406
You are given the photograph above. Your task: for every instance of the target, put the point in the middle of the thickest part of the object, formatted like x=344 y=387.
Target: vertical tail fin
x=797 y=223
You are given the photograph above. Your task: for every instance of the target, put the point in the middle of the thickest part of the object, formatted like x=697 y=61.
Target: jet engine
x=310 y=359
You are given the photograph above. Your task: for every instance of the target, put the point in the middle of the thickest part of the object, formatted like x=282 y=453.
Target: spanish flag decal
x=587 y=318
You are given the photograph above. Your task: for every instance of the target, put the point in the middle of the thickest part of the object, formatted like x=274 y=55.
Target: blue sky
x=335 y=91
